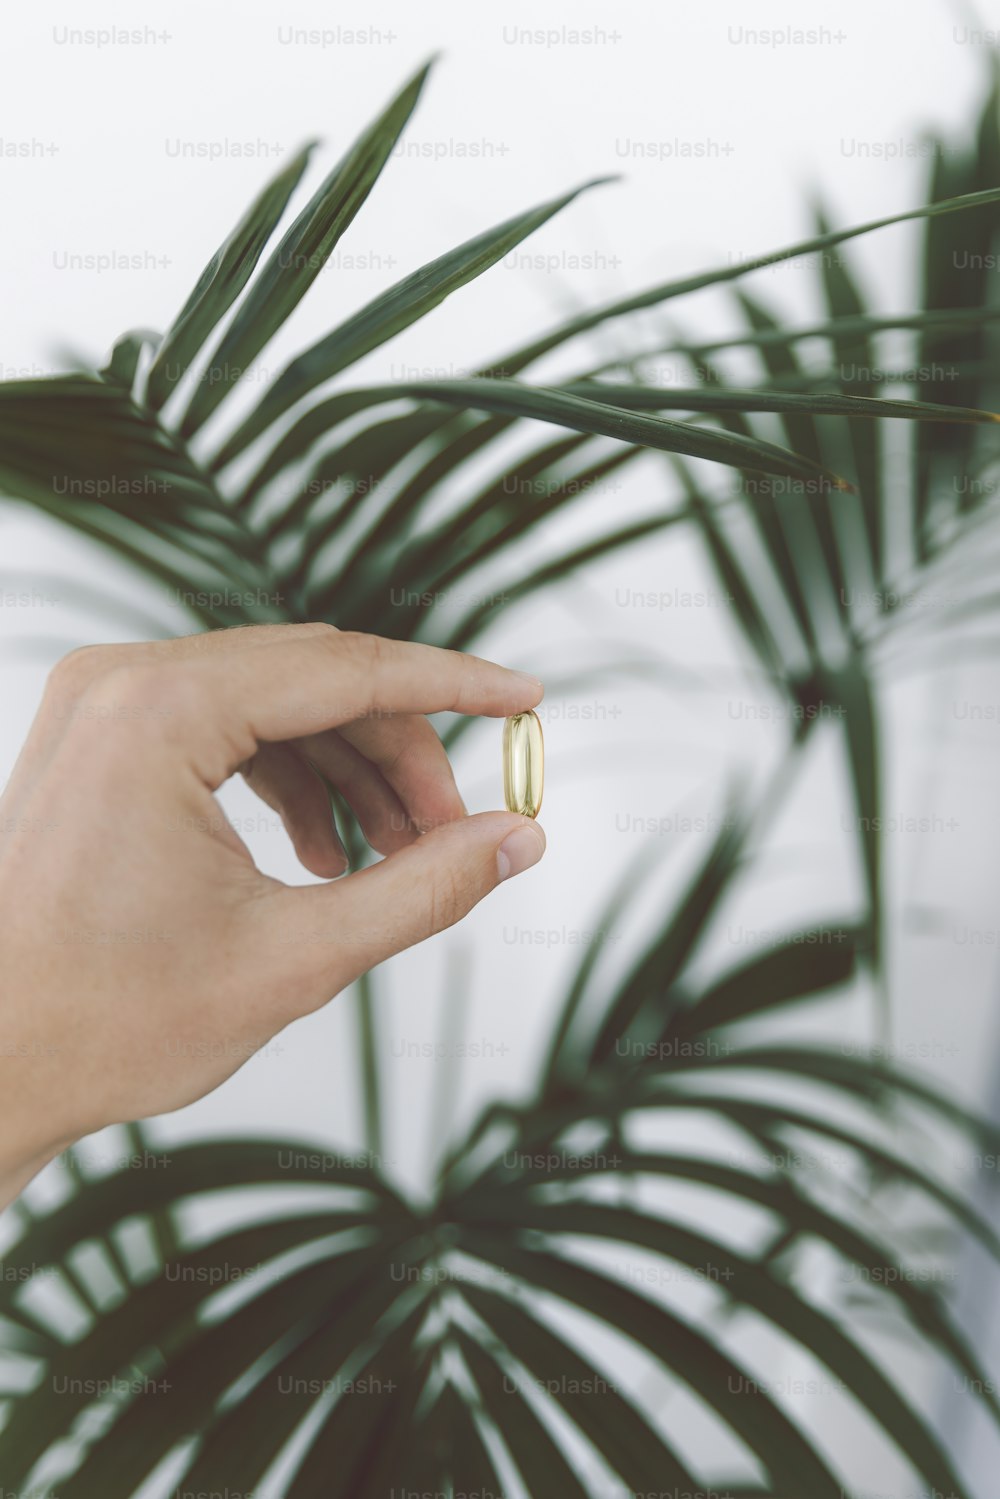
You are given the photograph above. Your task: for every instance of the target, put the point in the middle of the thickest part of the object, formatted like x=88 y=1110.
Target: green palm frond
x=554 y=1225
x=112 y=455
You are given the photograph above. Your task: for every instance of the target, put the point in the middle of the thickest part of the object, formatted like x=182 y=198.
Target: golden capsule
x=523 y=763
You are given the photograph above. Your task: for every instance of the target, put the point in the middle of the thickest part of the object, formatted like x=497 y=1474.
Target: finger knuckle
x=71 y=676
x=316 y=627
x=143 y=695
x=290 y=632
x=356 y=648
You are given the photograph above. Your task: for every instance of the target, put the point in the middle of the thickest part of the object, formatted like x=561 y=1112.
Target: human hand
x=143 y=955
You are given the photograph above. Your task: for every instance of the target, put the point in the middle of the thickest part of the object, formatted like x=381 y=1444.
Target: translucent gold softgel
x=523 y=764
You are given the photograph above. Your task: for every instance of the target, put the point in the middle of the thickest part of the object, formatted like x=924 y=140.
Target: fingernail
x=527 y=677
x=519 y=850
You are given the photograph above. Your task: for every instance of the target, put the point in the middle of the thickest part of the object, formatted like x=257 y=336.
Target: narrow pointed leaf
x=301 y=255
x=541 y=403
x=221 y=282
x=520 y=358
x=676 y=398
x=403 y=304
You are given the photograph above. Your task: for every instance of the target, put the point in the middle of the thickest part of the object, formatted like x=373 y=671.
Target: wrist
x=32 y=1131
x=17 y=1169
x=36 y=1106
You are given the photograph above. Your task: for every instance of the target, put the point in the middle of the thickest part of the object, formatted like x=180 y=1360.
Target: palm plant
x=485 y=1341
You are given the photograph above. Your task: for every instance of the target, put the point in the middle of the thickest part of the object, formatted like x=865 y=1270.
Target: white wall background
x=96 y=162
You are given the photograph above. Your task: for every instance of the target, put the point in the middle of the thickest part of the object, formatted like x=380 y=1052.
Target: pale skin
x=143 y=956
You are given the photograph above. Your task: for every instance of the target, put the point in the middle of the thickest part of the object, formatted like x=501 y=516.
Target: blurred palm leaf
x=551 y=1227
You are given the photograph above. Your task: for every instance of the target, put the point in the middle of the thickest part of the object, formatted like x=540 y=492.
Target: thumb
x=340 y=930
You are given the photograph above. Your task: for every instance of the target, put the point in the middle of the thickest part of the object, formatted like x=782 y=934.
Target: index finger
x=235 y=700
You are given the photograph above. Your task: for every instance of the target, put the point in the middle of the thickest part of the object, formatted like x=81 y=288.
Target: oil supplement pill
x=523 y=763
